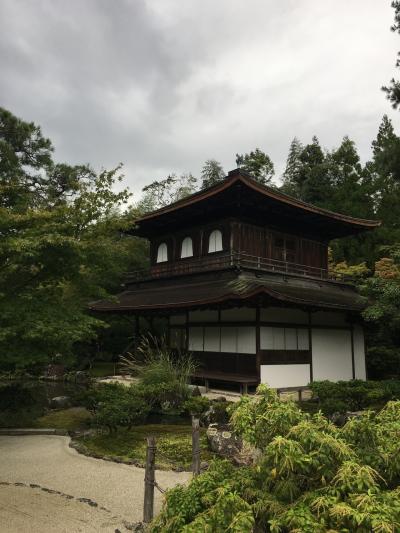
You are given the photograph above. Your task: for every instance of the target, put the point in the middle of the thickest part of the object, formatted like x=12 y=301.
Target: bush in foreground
x=312 y=476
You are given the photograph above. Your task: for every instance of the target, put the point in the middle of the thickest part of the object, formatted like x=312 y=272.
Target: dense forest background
x=63 y=240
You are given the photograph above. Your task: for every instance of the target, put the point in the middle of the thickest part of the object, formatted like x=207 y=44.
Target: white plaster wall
x=203 y=316
x=196 y=339
x=359 y=353
x=281 y=376
x=238 y=314
x=229 y=339
x=282 y=314
x=177 y=320
x=246 y=340
x=212 y=339
x=328 y=318
x=331 y=354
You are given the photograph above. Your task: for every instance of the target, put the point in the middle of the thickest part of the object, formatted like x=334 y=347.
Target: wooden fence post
x=149 y=480
x=195 y=446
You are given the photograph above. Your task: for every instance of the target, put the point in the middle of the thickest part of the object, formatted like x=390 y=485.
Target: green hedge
x=353 y=395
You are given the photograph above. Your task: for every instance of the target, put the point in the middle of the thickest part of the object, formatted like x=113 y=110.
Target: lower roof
x=232 y=287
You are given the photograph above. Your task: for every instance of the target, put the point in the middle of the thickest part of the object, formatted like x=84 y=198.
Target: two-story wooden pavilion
x=240 y=271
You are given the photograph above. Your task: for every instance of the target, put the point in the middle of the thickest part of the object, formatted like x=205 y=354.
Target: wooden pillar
x=187 y=331
x=149 y=480
x=353 y=364
x=168 y=335
x=258 y=348
x=310 y=346
x=195 y=446
x=137 y=330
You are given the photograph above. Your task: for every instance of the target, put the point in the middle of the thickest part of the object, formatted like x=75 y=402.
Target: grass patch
x=71 y=419
x=174 y=445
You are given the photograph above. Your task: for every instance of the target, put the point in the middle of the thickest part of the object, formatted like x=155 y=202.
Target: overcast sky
x=163 y=85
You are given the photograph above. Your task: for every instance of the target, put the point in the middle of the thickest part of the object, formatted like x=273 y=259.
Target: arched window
x=187 y=248
x=162 y=253
x=215 y=241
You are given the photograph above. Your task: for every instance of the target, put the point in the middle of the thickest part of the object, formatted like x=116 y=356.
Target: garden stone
x=214 y=415
x=219 y=399
x=55 y=371
x=82 y=377
x=60 y=402
x=223 y=441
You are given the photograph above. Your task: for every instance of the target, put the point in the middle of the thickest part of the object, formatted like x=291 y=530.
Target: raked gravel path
x=49 y=462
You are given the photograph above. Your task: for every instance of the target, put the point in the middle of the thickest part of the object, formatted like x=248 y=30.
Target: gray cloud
x=162 y=85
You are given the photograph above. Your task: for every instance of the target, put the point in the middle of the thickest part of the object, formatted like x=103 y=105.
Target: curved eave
x=238 y=176
x=301 y=293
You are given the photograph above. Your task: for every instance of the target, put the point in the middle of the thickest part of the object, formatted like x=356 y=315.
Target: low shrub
x=114 y=405
x=197 y=405
x=125 y=412
x=353 y=395
x=311 y=476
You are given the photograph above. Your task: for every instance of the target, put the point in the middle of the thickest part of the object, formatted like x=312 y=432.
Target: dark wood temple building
x=240 y=271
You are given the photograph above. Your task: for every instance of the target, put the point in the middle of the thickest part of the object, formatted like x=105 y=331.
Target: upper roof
x=240 y=195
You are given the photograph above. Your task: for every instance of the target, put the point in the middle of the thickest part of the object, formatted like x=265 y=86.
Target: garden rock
x=60 y=402
x=196 y=391
x=82 y=377
x=223 y=441
x=215 y=414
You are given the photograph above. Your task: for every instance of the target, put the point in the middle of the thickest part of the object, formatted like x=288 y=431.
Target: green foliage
x=60 y=248
x=211 y=173
x=197 y=405
x=127 y=411
x=258 y=164
x=311 y=476
x=159 y=366
x=163 y=192
x=383 y=317
x=261 y=418
x=393 y=90
x=342 y=396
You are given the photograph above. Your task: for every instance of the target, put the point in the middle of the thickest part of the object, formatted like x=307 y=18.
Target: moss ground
x=174 y=445
x=71 y=419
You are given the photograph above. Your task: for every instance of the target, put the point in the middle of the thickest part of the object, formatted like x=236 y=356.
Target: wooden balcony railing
x=223 y=261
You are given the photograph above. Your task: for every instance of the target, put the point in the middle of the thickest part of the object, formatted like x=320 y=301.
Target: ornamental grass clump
x=155 y=362
x=311 y=475
x=158 y=366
